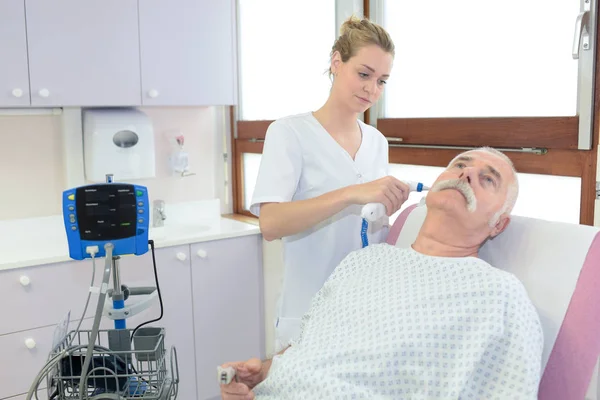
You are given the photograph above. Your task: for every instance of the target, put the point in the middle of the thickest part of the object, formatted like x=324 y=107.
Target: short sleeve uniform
x=301 y=161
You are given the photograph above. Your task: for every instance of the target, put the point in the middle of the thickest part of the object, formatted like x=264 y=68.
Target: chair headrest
x=550 y=259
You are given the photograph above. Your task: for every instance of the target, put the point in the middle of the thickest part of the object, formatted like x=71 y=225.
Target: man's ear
x=501 y=225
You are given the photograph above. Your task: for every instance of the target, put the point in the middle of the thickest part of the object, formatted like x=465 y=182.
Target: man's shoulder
x=514 y=293
x=506 y=283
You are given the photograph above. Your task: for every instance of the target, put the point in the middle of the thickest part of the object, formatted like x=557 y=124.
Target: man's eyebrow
x=492 y=170
x=373 y=70
x=463 y=158
x=495 y=172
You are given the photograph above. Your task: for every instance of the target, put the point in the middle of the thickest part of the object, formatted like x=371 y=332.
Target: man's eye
x=489 y=179
x=382 y=82
x=363 y=75
x=460 y=165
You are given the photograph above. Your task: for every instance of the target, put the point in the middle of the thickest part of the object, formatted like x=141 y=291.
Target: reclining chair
x=559 y=264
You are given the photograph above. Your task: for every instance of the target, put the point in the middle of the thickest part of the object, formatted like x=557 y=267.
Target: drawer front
x=20 y=364
x=42 y=295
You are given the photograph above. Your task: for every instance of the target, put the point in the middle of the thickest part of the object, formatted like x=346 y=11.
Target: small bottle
x=180 y=159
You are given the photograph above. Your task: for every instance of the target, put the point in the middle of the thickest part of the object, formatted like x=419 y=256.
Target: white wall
x=34 y=159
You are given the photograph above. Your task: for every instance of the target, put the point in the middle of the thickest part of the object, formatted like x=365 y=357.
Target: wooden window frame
x=557 y=136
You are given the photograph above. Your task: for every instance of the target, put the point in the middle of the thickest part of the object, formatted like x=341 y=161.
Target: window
x=284 y=51
x=250 y=164
x=494 y=59
x=504 y=74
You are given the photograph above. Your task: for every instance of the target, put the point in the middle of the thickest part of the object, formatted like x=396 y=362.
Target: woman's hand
x=279 y=220
x=389 y=191
x=248 y=374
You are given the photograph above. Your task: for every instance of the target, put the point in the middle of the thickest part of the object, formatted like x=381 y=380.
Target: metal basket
x=145 y=373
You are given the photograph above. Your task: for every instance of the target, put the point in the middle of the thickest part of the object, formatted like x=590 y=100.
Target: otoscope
x=373 y=211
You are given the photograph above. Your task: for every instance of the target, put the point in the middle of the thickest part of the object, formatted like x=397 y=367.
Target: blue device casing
x=136 y=244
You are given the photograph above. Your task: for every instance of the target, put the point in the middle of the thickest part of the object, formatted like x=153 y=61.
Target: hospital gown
x=393 y=323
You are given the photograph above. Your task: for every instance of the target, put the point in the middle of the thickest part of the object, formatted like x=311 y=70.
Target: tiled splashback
x=32 y=175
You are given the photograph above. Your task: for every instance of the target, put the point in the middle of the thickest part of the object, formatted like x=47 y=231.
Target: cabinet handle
x=44 y=93
x=25 y=281
x=153 y=93
x=17 y=92
x=201 y=253
x=181 y=256
x=30 y=343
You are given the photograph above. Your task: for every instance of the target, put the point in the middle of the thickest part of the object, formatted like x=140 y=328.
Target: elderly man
x=429 y=322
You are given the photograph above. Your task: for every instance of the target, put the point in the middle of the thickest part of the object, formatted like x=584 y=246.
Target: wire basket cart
x=144 y=372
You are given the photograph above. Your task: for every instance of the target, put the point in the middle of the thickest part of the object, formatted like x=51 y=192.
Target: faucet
x=158 y=213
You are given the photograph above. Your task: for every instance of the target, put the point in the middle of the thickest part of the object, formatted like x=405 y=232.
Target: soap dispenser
x=180 y=164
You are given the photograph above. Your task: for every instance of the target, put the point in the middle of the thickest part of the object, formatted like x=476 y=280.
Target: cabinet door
x=174 y=278
x=228 y=316
x=23 y=356
x=14 y=76
x=187 y=52
x=83 y=53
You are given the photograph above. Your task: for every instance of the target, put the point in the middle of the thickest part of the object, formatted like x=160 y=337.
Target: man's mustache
x=463 y=187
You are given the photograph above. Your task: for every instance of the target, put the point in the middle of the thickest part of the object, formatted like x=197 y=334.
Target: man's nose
x=468 y=175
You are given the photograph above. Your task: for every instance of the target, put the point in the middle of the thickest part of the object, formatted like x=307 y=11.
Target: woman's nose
x=369 y=87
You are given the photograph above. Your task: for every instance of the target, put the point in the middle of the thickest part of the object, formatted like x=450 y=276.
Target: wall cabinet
x=14 y=75
x=117 y=53
x=83 y=53
x=187 y=52
x=212 y=300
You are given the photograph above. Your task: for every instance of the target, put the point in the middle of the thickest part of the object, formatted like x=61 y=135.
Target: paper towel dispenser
x=118 y=141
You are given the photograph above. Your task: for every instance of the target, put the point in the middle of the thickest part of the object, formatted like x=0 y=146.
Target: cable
x=151 y=242
x=91 y=344
x=87 y=302
x=98 y=316
x=92 y=339
x=363 y=233
x=50 y=364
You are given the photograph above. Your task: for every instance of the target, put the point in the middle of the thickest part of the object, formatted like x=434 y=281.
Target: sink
x=172 y=231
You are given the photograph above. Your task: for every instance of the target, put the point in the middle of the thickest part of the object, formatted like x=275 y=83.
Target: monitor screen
x=106 y=212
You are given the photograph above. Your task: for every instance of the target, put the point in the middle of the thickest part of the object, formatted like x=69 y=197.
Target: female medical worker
x=318 y=168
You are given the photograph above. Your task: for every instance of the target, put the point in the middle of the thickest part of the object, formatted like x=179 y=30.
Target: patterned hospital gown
x=392 y=323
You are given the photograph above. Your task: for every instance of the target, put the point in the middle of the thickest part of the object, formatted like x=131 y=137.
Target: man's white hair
x=513 y=187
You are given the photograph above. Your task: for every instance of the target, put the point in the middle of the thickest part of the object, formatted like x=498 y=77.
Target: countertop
x=37 y=241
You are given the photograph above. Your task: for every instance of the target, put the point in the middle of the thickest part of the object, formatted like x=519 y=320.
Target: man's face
x=473 y=189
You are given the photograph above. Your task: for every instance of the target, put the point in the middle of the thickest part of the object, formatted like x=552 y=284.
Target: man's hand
x=248 y=374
